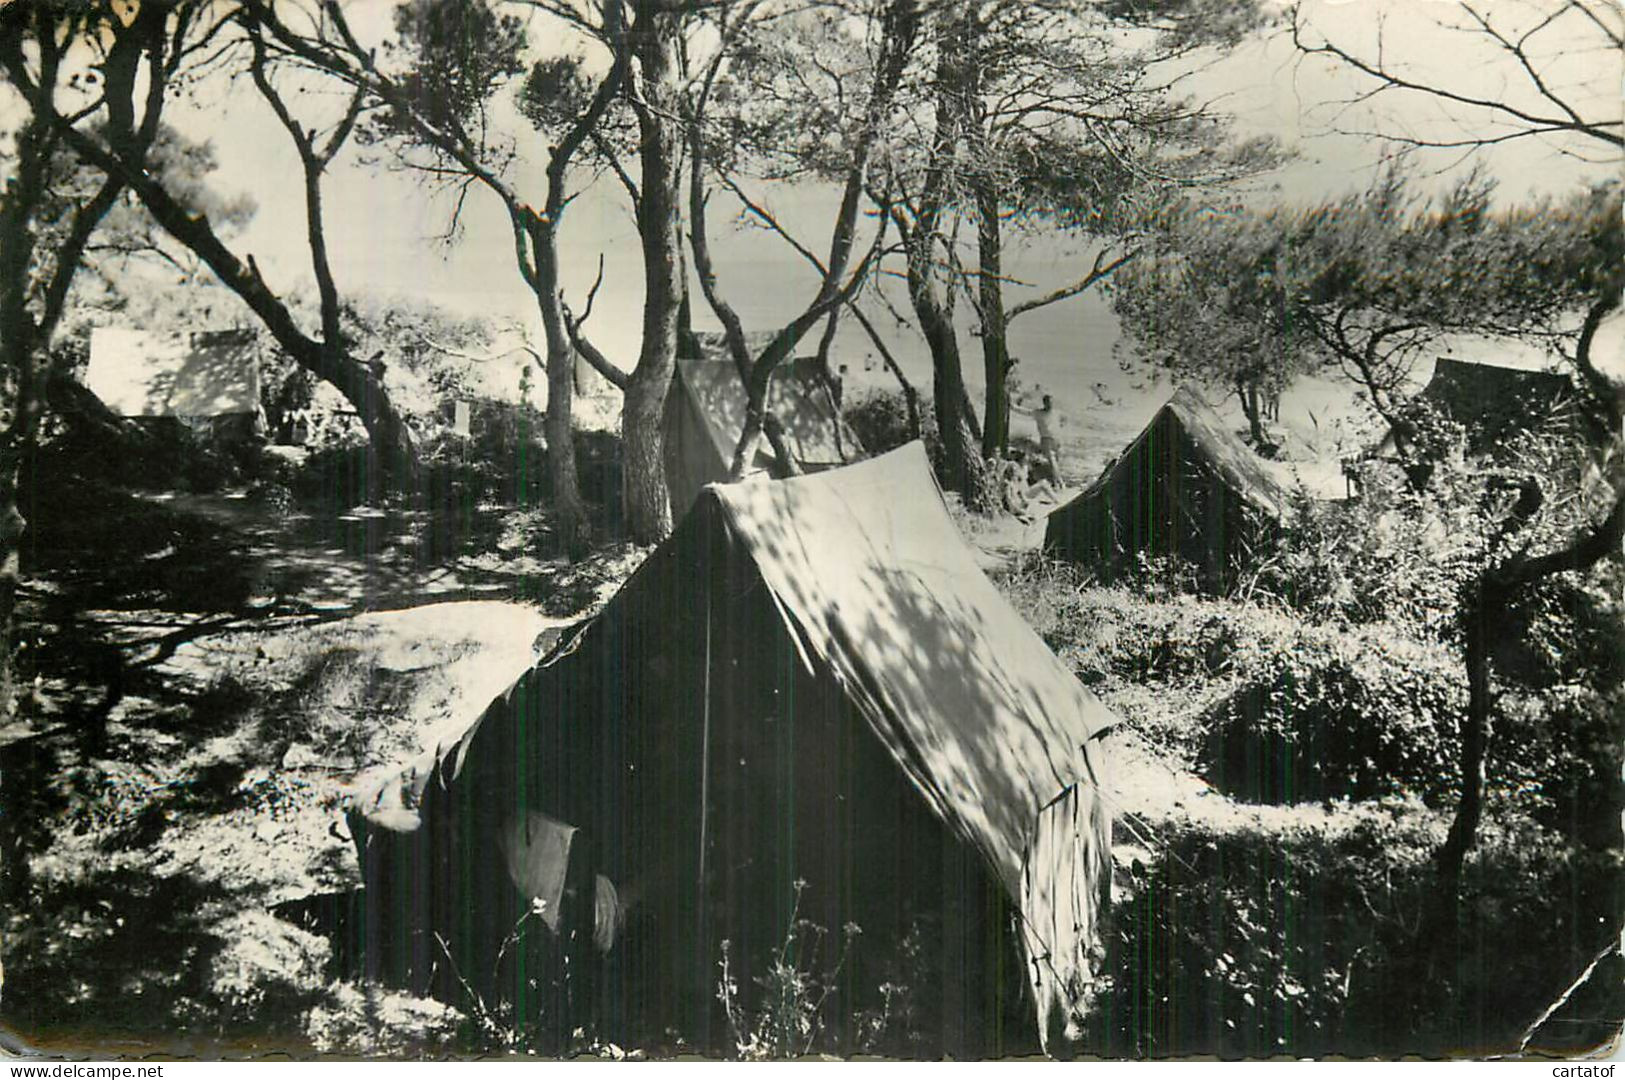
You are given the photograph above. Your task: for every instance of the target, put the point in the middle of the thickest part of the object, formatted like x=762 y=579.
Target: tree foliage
x=1009 y=117
x=455 y=56
x=1367 y=286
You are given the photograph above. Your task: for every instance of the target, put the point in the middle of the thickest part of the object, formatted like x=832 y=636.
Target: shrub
x=1392 y=555
x=1303 y=940
x=1321 y=714
x=1560 y=707
x=1120 y=632
x=1233 y=687
x=879 y=418
x=1245 y=942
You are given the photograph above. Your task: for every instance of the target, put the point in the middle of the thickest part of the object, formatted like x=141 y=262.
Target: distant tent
x=207 y=380
x=808 y=703
x=705 y=412
x=1491 y=402
x=1185 y=487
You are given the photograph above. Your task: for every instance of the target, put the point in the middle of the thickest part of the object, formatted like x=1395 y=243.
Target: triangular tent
x=1491 y=402
x=809 y=703
x=1185 y=487
x=705 y=412
x=200 y=374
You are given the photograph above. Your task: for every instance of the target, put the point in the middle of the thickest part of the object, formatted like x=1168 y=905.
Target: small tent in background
x=705 y=412
x=808 y=703
x=208 y=381
x=1491 y=402
x=1185 y=487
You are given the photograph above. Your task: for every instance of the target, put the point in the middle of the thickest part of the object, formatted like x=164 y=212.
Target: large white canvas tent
x=809 y=703
x=202 y=378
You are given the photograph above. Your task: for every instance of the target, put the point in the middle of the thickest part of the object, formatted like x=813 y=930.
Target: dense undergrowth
x=1299 y=934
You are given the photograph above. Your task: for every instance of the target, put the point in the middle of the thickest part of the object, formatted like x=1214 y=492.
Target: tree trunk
x=963 y=466
x=785 y=464
x=966 y=470
x=12 y=526
x=24 y=340
x=568 y=508
x=645 y=496
x=1252 y=409
x=360 y=385
x=990 y=291
x=1483 y=614
x=656 y=103
x=393 y=447
x=19 y=201
x=825 y=343
x=899 y=26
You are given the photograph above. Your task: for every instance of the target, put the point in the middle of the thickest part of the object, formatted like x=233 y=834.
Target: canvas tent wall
x=810 y=681
x=206 y=380
x=1491 y=402
x=705 y=413
x=1186 y=487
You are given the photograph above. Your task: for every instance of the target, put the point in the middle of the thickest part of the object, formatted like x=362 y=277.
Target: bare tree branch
x=1567 y=119
x=1098 y=272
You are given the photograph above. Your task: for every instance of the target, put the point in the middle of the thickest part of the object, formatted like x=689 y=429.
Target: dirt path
x=212 y=677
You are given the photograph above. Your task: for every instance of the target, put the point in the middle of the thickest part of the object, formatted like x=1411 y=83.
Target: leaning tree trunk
x=1484 y=615
x=360 y=385
x=388 y=433
x=328 y=360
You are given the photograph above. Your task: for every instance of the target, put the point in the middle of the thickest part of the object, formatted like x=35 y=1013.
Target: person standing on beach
x=1046 y=419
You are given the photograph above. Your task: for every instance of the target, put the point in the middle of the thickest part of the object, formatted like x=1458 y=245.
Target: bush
x=1302 y=941
x=1560 y=707
x=1120 y=632
x=879 y=418
x=1323 y=715
x=1232 y=687
x=1392 y=555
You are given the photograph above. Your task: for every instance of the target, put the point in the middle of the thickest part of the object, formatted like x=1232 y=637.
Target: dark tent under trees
x=705 y=413
x=1186 y=488
x=1492 y=403
x=808 y=704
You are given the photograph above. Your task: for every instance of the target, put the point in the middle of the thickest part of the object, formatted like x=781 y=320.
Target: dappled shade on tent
x=200 y=374
x=1187 y=488
x=808 y=703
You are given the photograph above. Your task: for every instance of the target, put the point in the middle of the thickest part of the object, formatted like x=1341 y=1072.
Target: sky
x=387 y=232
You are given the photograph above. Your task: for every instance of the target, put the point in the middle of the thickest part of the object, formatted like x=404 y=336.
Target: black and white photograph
x=851 y=530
